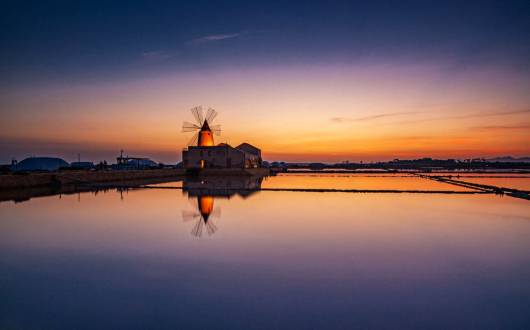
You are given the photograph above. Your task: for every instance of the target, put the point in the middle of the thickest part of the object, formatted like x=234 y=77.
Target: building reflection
x=204 y=190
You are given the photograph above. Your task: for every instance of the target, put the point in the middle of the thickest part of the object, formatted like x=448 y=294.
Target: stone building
x=222 y=156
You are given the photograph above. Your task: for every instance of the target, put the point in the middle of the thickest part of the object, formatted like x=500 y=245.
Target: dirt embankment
x=11 y=181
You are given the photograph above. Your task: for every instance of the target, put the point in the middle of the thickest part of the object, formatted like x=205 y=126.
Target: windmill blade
x=189 y=215
x=216 y=212
x=189 y=127
x=197 y=229
x=194 y=140
x=216 y=129
x=192 y=201
x=210 y=115
x=211 y=227
x=197 y=114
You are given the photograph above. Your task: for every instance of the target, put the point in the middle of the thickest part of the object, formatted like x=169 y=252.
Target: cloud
x=503 y=127
x=382 y=115
x=469 y=116
x=157 y=55
x=215 y=37
x=491 y=114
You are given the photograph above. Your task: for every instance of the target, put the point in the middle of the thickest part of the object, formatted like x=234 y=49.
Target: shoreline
x=54 y=179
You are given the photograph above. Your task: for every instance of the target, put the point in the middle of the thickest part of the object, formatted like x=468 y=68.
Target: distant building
x=39 y=164
x=132 y=163
x=222 y=156
x=82 y=165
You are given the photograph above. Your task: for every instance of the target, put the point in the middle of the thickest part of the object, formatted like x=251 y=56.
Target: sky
x=304 y=81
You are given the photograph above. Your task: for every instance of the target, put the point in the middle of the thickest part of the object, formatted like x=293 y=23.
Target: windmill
x=203 y=216
x=202 y=127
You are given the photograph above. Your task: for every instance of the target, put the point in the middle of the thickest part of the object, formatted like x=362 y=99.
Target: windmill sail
x=189 y=127
x=210 y=115
x=202 y=127
x=197 y=114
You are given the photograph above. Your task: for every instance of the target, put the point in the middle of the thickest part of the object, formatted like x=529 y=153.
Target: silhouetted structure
x=203 y=153
x=422 y=164
x=82 y=165
x=204 y=132
x=133 y=162
x=40 y=164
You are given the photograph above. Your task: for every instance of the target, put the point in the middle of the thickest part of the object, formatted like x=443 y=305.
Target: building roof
x=248 y=148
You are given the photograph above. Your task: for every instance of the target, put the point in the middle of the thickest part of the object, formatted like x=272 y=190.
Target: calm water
x=167 y=258
x=507 y=180
x=357 y=181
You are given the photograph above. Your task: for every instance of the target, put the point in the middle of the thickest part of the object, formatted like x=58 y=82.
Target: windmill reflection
x=203 y=217
x=205 y=190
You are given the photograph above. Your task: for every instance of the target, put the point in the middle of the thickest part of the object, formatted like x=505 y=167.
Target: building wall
x=213 y=157
x=252 y=155
x=250 y=149
x=252 y=161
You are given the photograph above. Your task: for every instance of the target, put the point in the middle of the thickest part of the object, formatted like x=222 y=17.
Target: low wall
x=11 y=181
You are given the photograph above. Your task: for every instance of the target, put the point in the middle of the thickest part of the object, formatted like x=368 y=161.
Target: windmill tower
x=204 y=132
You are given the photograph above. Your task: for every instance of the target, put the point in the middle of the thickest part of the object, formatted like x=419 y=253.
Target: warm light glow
x=356 y=113
x=205 y=138
x=205 y=206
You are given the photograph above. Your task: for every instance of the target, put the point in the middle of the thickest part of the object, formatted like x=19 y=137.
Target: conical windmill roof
x=205 y=126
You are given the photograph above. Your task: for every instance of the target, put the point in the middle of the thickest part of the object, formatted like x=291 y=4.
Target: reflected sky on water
x=276 y=260
x=357 y=181
x=514 y=183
